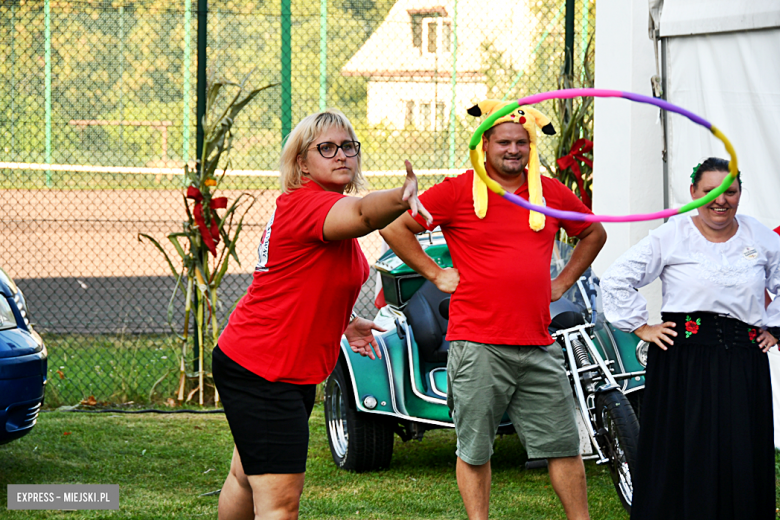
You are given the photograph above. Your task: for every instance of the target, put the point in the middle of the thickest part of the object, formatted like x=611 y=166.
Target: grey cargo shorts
x=526 y=382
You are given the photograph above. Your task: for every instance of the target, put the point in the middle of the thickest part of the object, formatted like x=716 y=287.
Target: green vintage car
x=368 y=402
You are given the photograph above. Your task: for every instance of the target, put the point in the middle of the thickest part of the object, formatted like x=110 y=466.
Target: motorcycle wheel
x=618 y=434
x=635 y=398
x=358 y=441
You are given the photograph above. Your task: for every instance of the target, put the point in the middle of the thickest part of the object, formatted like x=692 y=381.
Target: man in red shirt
x=502 y=358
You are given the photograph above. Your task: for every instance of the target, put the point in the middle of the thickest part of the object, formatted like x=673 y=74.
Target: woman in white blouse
x=706 y=447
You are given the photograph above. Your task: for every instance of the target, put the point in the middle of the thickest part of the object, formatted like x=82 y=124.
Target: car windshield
x=560 y=257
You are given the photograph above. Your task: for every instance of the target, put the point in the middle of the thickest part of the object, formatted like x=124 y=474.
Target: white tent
x=719 y=59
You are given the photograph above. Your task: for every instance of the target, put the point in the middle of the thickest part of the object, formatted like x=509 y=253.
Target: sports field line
x=180 y=171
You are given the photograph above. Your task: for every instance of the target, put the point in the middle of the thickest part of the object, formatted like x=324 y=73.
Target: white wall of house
x=628 y=137
x=506 y=23
x=423 y=104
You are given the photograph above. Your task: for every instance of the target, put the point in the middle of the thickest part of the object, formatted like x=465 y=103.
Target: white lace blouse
x=696 y=274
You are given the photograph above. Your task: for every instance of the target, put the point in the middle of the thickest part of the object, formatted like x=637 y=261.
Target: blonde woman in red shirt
x=283 y=337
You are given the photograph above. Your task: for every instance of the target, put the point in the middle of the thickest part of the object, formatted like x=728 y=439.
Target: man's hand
x=446 y=280
x=361 y=339
x=658 y=333
x=558 y=288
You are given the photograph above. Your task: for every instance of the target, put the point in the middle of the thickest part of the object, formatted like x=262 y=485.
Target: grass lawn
x=112 y=367
x=162 y=463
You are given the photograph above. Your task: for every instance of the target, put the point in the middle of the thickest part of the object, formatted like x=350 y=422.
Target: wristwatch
x=352 y=316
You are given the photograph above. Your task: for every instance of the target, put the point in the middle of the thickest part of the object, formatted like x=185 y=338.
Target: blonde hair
x=301 y=138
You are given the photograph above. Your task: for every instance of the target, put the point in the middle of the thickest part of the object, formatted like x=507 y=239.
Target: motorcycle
x=367 y=401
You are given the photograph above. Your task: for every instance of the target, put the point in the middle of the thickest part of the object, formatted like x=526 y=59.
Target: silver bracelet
x=353 y=316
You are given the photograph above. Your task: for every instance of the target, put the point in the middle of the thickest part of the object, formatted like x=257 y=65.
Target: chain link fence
x=98 y=119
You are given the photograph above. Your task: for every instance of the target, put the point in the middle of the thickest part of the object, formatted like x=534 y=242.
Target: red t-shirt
x=289 y=324
x=503 y=296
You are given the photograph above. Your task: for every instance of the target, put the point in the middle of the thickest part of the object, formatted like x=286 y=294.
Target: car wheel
x=358 y=441
x=618 y=435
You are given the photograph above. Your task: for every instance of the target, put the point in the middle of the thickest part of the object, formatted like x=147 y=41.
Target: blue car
x=23 y=359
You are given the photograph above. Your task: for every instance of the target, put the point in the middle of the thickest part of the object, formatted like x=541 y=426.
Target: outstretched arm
x=592 y=239
x=353 y=217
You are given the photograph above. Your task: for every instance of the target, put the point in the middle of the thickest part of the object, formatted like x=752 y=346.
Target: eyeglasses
x=329 y=150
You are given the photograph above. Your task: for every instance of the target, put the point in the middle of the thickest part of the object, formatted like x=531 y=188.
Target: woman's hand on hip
x=361 y=339
x=658 y=334
x=766 y=340
x=410 y=194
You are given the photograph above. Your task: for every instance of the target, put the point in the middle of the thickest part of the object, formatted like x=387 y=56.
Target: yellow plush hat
x=530 y=118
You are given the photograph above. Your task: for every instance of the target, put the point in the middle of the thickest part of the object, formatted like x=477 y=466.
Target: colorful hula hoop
x=479 y=168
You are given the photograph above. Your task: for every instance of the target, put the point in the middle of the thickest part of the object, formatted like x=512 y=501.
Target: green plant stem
x=200 y=347
x=185 y=335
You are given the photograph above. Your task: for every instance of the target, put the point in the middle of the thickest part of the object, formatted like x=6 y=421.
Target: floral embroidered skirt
x=706 y=447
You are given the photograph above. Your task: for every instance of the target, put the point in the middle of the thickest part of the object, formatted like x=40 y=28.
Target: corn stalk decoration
x=205 y=231
x=574 y=146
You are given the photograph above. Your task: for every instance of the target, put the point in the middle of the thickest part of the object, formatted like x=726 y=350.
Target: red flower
x=692 y=327
x=752 y=334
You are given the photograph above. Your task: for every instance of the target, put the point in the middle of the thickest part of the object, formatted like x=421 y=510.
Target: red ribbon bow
x=577 y=153
x=210 y=235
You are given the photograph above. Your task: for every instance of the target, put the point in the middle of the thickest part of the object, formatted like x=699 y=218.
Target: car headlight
x=21 y=304
x=8 y=281
x=18 y=298
x=641 y=352
x=7 y=318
